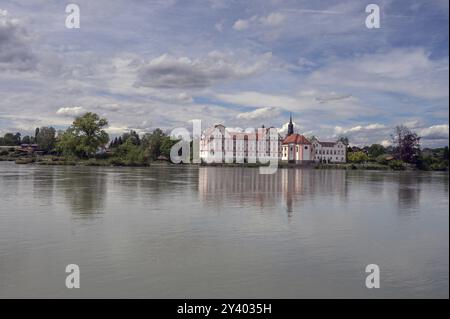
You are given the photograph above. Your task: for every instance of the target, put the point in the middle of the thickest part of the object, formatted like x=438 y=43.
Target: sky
x=162 y=63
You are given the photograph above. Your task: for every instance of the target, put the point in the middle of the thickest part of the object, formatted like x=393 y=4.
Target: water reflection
x=183 y=231
x=247 y=186
x=409 y=188
x=84 y=189
x=44 y=185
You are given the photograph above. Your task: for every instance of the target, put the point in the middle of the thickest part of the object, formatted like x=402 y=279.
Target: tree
x=26 y=140
x=85 y=136
x=406 y=144
x=67 y=143
x=46 y=138
x=8 y=139
x=376 y=150
x=166 y=146
x=17 y=138
x=133 y=136
x=128 y=151
x=445 y=153
x=153 y=142
x=357 y=157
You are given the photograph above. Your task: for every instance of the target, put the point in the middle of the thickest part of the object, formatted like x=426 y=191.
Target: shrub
x=382 y=159
x=357 y=157
x=439 y=166
x=397 y=165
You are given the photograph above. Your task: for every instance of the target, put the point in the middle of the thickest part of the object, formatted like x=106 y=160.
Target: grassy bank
x=352 y=166
x=51 y=160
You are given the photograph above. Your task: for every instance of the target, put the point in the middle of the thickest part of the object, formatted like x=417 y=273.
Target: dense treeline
x=87 y=140
x=405 y=151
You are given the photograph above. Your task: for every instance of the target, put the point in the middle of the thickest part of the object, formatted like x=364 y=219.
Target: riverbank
x=63 y=161
x=50 y=160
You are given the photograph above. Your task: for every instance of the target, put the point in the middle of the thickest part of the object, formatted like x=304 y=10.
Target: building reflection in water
x=290 y=186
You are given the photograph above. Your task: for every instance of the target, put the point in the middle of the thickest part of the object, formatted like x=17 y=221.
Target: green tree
x=153 y=142
x=357 y=157
x=9 y=139
x=133 y=136
x=130 y=152
x=67 y=143
x=46 y=138
x=166 y=146
x=397 y=165
x=376 y=150
x=84 y=137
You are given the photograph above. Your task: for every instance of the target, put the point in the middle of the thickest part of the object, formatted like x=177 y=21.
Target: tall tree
x=376 y=150
x=153 y=142
x=17 y=138
x=406 y=144
x=85 y=136
x=46 y=138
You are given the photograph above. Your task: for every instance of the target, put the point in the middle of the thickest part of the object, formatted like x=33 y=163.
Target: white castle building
x=225 y=145
x=219 y=144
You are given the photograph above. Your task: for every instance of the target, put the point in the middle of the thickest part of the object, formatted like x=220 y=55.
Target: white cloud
x=273 y=19
x=342 y=107
x=70 y=111
x=284 y=128
x=361 y=135
x=261 y=113
x=240 y=25
x=370 y=127
x=435 y=132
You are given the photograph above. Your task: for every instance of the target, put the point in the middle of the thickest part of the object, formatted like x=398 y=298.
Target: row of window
x=330 y=152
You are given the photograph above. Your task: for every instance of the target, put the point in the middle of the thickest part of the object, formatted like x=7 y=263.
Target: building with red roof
x=227 y=145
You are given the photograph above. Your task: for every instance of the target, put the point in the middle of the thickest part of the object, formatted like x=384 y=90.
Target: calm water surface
x=185 y=232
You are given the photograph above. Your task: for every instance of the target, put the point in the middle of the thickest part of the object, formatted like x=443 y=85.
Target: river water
x=188 y=232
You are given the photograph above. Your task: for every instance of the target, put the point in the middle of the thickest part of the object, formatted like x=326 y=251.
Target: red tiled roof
x=297 y=139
